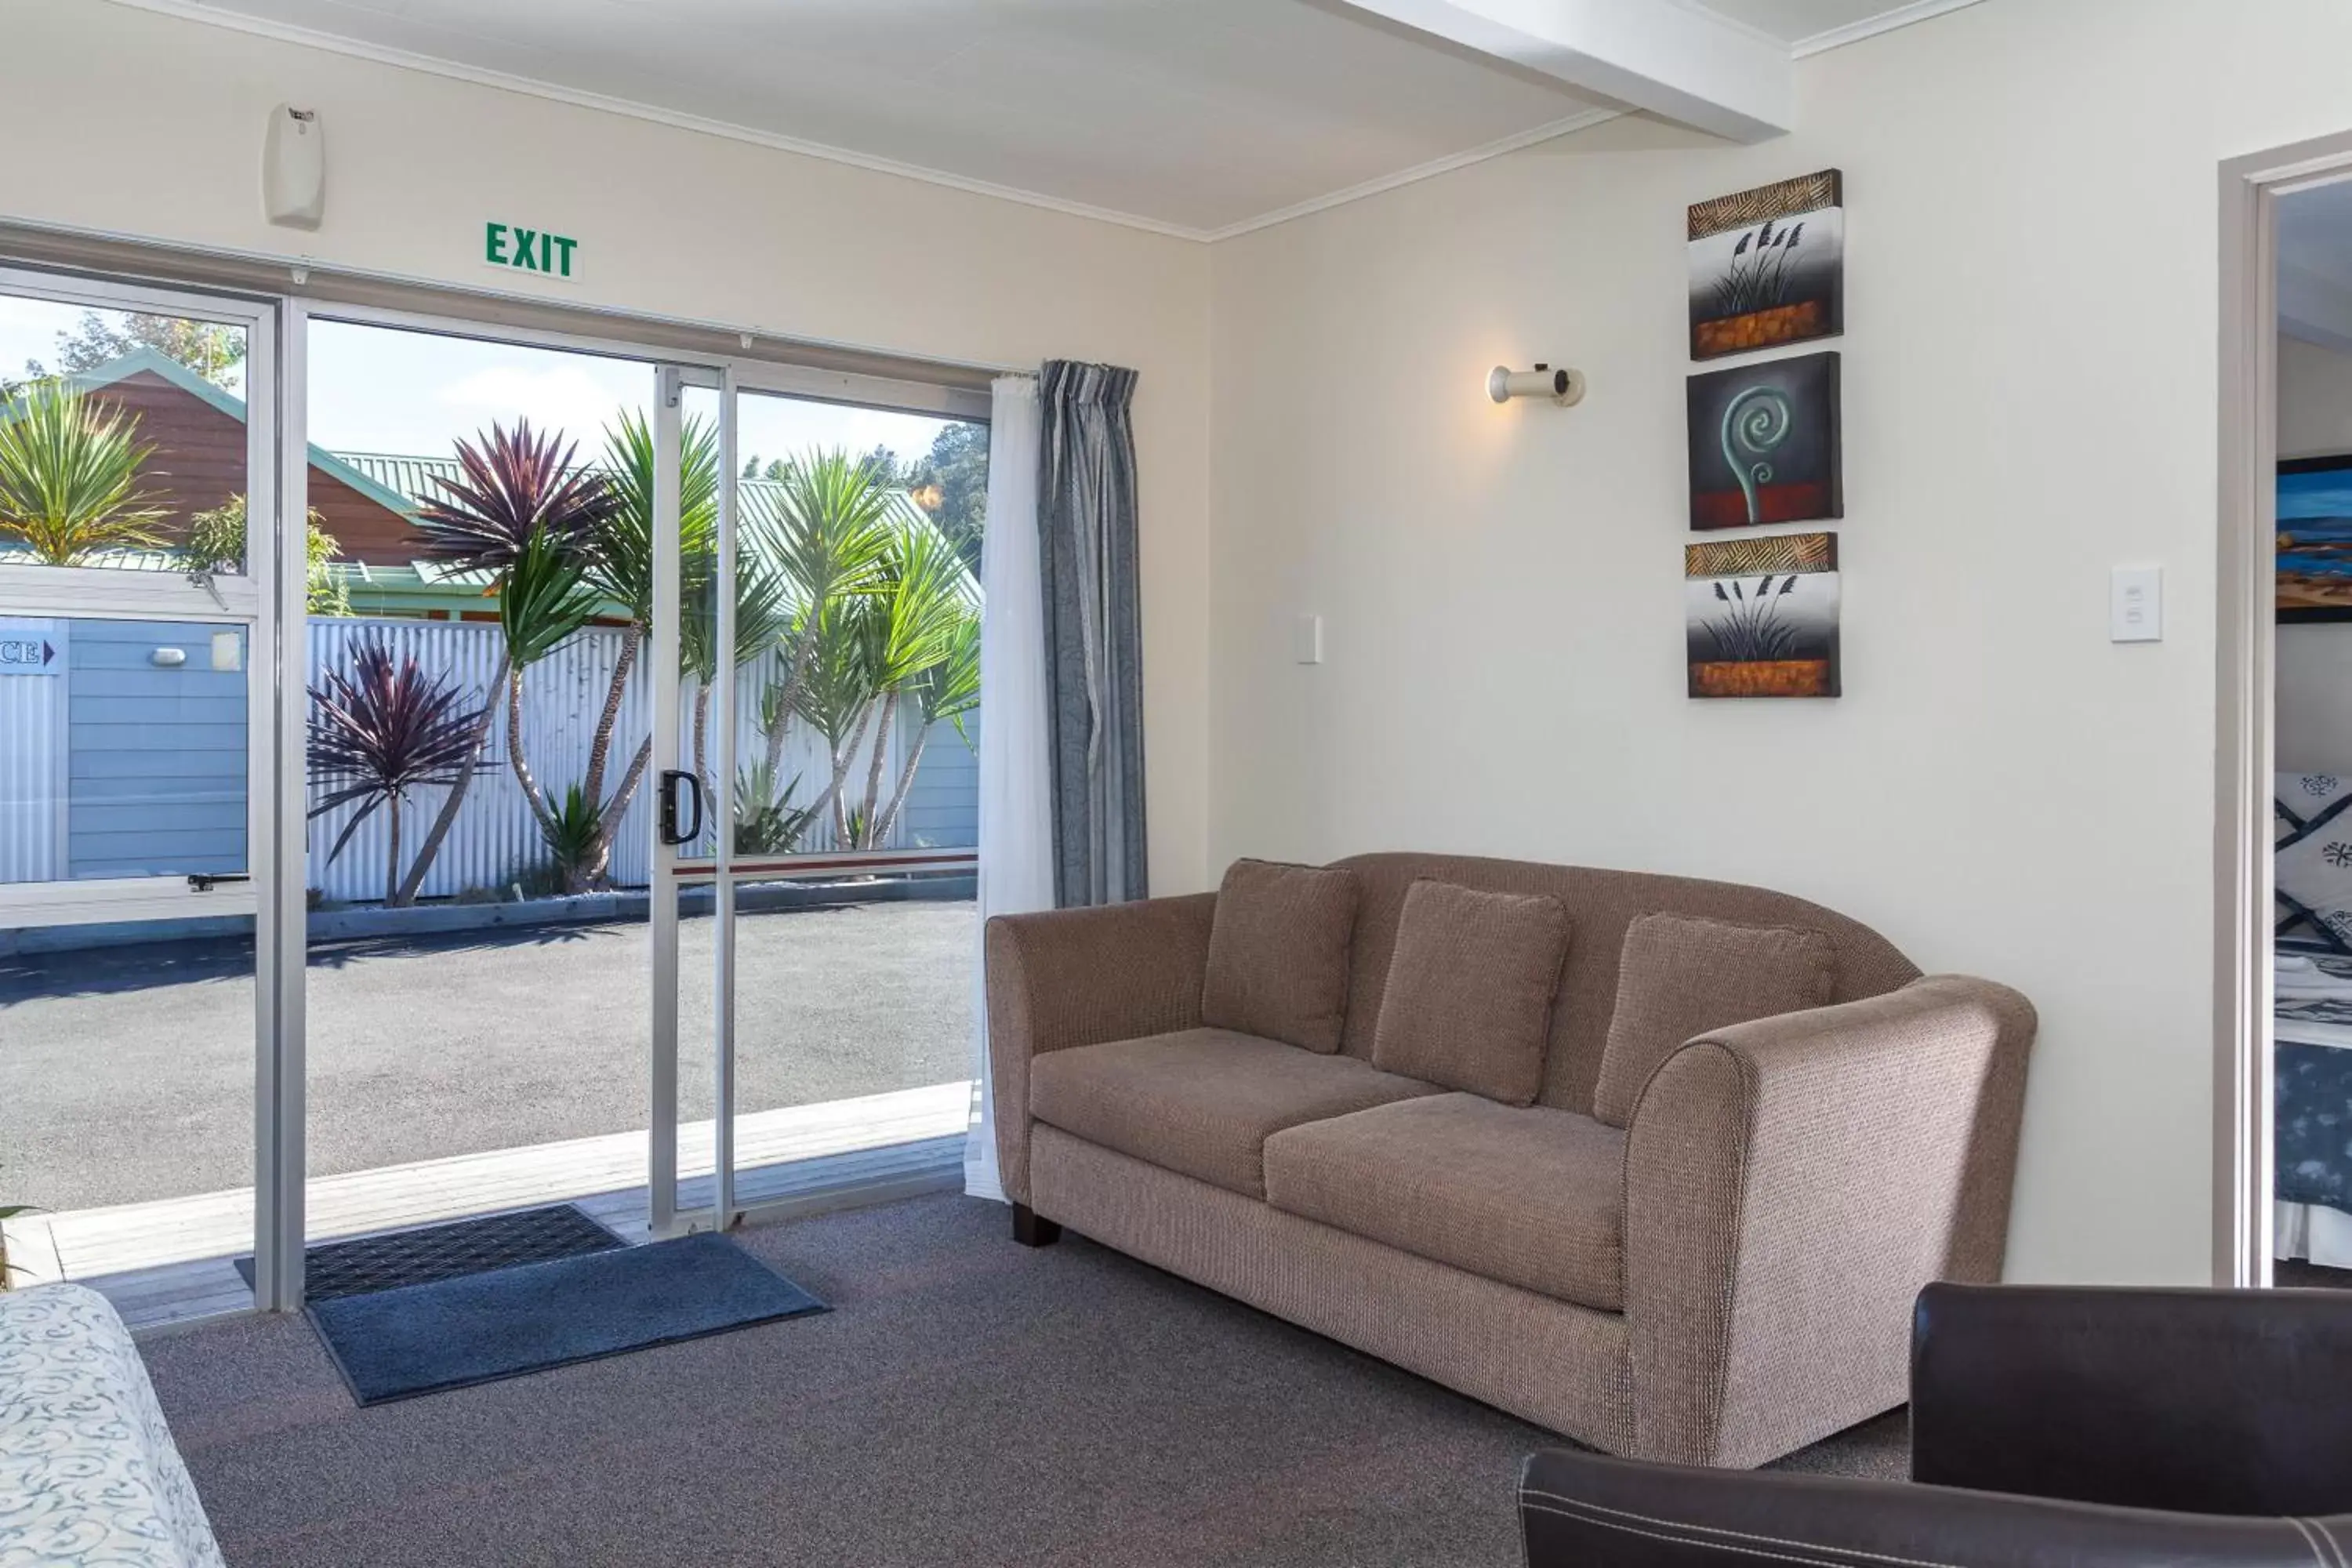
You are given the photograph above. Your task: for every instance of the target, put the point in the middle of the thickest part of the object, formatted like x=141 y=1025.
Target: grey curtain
x=1094 y=631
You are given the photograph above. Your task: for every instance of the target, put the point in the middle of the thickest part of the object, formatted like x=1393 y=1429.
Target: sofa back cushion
x=1469 y=993
x=1680 y=977
x=1601 y=905
x=1278 y=948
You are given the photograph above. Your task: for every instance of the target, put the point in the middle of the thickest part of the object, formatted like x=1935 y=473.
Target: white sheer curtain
x=1017 y=823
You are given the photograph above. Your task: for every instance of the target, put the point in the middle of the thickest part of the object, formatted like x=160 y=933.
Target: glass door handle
x=680 y=791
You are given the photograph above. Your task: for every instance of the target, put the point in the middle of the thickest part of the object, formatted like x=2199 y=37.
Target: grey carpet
x=967 y=1401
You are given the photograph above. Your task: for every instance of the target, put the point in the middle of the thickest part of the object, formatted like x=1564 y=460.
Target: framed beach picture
x=1768 y=266
x=2314 y=539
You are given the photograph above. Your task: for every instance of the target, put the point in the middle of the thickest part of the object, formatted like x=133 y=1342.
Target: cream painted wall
x=150 y=125
x=2029 y=380
x=2312 y=724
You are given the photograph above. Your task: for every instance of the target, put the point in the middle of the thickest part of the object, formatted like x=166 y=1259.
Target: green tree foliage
x=69 y=477
x=216 y=542
x=212 y=351
x=950 y=483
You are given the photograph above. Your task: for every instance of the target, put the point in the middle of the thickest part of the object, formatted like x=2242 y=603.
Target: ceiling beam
x=1682 y=64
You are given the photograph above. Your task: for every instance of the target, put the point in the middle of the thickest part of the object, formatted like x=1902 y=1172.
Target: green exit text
x=529 y=249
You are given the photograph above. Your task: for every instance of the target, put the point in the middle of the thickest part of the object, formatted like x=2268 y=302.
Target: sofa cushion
x=1468 y=999
x=1202 y=1101
x=1531 y=1197
x=1278 y=953
x=1680 y=977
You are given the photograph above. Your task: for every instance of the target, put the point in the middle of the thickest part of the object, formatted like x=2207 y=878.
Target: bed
x=2312 y=1100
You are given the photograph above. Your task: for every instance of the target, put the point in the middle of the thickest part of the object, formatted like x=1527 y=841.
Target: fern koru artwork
x=1764 y=444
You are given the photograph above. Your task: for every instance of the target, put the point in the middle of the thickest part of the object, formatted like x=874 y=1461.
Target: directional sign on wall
x=30 y=648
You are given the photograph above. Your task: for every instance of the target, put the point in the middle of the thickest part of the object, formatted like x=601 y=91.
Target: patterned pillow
x=2312 y=857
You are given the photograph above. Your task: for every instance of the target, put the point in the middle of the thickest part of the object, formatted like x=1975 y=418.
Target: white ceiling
x=1198 y=116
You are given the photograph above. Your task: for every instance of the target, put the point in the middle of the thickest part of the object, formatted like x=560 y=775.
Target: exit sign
x=520 y=249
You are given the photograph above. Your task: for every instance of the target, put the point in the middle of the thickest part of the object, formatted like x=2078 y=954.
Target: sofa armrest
x=1081 y=977
x=1790 y=1184
x=2203 y=1401
x=1581 y=1510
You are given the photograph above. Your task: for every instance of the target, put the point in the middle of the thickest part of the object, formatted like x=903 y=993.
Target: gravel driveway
x=127 y=1073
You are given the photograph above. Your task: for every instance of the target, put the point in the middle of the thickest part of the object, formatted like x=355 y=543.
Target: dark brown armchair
x=2084 y=1428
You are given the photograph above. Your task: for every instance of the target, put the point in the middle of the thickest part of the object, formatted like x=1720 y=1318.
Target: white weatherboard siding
x=2029 y=389
x=669 y=222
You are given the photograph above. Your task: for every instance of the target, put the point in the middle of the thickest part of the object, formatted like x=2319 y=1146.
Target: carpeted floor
x=968 y=1402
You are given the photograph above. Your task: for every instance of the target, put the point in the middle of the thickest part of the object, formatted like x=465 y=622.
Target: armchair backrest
x=2218 y=1402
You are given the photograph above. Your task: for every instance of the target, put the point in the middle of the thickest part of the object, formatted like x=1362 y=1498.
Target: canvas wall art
x=1764 y=444
x=1768 y=266
x=1760 y=616
x=2314 y=539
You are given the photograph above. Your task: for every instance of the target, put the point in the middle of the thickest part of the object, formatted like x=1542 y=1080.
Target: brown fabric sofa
x=1725 y=1279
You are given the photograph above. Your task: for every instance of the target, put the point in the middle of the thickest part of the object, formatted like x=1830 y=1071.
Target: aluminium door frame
x=267 y=603
x=2245 y=693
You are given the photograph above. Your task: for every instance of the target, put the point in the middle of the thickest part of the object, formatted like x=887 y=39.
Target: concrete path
x=126 y=1074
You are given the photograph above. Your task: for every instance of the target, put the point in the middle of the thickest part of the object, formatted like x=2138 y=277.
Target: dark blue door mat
x=428 y=1253
x=479 y=1328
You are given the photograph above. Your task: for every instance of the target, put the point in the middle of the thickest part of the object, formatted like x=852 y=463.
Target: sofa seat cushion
x=1529 y=1195
x=1202 y=1101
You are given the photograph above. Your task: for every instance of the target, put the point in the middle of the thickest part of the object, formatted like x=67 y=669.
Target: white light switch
x=1306 y=639
x=228 y=651
x=2136 y=604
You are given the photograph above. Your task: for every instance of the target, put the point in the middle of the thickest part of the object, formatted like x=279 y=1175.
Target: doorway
x=2283 y=1189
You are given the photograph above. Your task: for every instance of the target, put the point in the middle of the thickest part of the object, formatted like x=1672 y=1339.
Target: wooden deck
x=171 y=1261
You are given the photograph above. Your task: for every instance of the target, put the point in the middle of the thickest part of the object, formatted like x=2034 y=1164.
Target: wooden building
x=196 y=429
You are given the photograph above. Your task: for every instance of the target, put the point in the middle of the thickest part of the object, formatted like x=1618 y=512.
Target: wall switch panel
x=1306 y=639
x=2136 y=604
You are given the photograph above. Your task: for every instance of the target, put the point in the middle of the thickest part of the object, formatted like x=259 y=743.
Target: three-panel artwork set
x=1760 y=611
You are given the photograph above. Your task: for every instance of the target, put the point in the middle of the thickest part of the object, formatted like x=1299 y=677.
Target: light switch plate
x=228 y=651
x=1306 y=639
x=2136 y=604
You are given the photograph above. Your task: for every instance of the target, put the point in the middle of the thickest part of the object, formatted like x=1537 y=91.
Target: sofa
x=88 y=1470
x=2097 y=1427
x=1401 y=1101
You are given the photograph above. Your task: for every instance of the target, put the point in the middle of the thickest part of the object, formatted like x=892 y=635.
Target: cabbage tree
x=378 y=734
x=523 y=511
x=70 y=473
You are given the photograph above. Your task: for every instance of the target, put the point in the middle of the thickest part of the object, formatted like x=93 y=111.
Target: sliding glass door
x=144 y=601
x=819 y=782
x=241 y=551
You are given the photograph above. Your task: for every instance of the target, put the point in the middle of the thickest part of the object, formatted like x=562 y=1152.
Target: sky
x=377 y=389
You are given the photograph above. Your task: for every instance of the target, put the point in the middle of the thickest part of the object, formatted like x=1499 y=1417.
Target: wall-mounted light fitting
x=1563 y=386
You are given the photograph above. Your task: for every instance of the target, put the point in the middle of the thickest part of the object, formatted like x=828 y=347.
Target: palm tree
x=69 y=477
x=910 y=634
x=948 y=691
x=619 y=554
x=376 y=734
x=522 y=510
x=827 y=529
